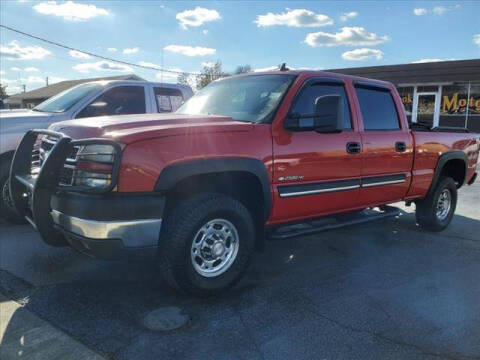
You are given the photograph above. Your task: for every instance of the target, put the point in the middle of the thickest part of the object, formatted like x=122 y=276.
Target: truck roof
x=319 y=73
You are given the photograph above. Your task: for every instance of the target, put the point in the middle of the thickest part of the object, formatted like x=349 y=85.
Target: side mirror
x=328 y=116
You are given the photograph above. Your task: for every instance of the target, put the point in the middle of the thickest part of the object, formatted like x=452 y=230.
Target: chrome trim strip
x=133 y=233
x=380 y=183
x=319 y=191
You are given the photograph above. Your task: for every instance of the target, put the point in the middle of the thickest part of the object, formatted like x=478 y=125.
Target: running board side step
x=332 y=222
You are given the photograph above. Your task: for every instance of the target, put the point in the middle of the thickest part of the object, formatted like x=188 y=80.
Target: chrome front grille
x=41 y=150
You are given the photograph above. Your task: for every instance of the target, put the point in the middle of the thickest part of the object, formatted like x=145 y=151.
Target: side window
x=305 y=102
x=378 y=109
x=120 y=100
x=168 y=99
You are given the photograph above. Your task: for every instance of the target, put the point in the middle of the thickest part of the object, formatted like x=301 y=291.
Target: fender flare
x=173 y=174
x=442 y=160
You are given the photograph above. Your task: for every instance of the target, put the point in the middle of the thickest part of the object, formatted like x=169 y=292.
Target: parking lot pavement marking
x=26 y=336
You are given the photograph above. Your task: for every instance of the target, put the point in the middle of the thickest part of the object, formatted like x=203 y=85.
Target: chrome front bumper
x=132 y=233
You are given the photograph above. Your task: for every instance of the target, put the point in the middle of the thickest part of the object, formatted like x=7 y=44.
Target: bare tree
x=241 y=69
x=183 y=79
x=209 y=74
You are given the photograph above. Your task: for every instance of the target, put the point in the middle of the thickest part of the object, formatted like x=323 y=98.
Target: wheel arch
x=217 y=172
x=453 y=164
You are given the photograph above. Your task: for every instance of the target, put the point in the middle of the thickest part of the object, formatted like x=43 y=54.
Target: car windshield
x=66 y=99
x=252 y=98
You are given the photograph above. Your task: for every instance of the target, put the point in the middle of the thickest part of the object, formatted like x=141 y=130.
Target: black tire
x=426 y=209
x=178 y=233
x=7 y=211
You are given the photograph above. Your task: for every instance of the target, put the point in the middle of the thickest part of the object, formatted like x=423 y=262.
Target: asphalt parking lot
x=383 y=290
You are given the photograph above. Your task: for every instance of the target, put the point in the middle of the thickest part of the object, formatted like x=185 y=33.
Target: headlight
x=94 y=166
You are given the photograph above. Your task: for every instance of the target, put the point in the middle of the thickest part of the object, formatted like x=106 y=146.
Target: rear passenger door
x=167 y=99
x=387 y=155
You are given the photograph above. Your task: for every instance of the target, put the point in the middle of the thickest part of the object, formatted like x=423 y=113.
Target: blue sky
x=185 y=35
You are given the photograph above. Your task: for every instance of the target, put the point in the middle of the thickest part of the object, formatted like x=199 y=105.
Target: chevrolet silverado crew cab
x=97 y=98
x=245 y=158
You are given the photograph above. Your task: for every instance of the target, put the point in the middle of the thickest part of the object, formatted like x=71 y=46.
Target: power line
x=96 y=55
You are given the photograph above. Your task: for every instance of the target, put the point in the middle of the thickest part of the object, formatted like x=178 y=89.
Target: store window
x=406 y=94
x=453 y=105
x=473 y=118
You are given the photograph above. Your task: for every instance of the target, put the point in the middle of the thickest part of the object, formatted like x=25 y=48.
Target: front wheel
x=435 y=212
x=7 y=209
x=206 y=244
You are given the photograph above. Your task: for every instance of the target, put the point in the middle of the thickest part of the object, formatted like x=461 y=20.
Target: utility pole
x=46 y=80
x=24 y=88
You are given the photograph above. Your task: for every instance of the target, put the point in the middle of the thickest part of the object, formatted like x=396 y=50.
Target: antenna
x=283 y=67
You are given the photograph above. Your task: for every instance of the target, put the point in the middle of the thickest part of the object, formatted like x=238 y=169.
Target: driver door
x=316 y=173
x=119 y=100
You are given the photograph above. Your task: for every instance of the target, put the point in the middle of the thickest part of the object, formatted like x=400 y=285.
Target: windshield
x=247 y=98
x=66 y=99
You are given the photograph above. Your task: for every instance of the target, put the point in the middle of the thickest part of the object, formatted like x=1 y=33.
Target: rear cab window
x=168 y=99
x=378 y=108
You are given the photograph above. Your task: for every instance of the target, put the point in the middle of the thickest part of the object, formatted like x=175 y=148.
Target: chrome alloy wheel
x=443 y=204
x=214 y=247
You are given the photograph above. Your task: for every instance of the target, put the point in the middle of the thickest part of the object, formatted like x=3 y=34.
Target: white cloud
x=208 y=63
x=128 y=51
x=205 y=31
x=268 y=68
x=197 y=17
x=362 y=54
x=165 y=76
x=102 y=65
x=13 y=89
x=55 y=79
x=294 y=18
x=476 y=39
x=70 y=10
x=112 y=49
x=354 y=36
x=2 y=72
x=13 y=51
x=420 y=11
x=190 y=50
x=439 y=10
x=27 y=69
x=79 y=55
x=33 y=80
x=348 y=15
x=421 y=61
x=149 y=64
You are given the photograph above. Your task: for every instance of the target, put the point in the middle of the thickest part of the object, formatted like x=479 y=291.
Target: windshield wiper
x=35 y=109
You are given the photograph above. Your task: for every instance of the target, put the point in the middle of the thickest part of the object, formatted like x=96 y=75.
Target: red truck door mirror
x=328 y=116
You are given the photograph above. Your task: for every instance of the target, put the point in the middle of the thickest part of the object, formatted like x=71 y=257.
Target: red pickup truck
x=246 y=157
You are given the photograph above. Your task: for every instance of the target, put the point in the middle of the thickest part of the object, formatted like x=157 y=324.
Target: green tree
x=209 y=74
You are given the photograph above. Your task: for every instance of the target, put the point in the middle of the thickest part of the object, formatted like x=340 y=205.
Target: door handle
x=353 y=148
x=400 y=146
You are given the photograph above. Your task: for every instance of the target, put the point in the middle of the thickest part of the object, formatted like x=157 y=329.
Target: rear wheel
x=206 y=244
x=435 y=212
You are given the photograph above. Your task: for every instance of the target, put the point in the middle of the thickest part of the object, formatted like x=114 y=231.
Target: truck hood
x=130 y=128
